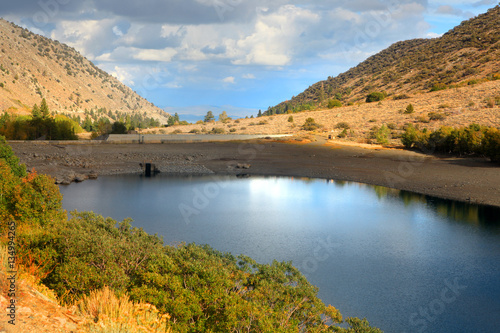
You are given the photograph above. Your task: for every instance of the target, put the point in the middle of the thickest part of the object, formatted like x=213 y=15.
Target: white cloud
x=124 y=75
x=249 y=76
x=117 y=31
x=87 y=36
x=229 y=79
x=164 y=55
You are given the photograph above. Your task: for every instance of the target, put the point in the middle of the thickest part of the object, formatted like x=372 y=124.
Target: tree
x=44 y=109
x=35 y=112
x=259 y=114
x=209 y=117
x=223 y=117
x=409 y=109
x=172 y=120
x=118 y=128
x=87 y=124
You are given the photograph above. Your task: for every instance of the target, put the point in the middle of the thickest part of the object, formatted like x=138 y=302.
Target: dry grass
x=107 y=313
x=461 y=107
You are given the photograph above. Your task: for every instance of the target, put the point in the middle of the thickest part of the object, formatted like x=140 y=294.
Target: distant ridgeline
x=470 y=51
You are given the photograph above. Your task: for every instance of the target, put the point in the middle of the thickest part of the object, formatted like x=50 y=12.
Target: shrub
x=342 y=134
x=177 y=131
x=195 y=131
x=438 y=86
x=381 y=135
x=375 y=97
x=491 y=144
x=402 y=96
x=310 y=125
x=218 y=130
x=232 y=130
x=343 y=125
x=333 y=103
x=436 y=116
x=290 y=119
x=409 y=109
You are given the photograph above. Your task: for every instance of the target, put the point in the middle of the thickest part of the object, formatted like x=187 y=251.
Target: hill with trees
x=465 y=55
x=33 y=67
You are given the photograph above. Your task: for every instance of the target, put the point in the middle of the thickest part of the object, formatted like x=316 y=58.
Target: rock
x=243 y=166
x=93 y=175
x=80 y=178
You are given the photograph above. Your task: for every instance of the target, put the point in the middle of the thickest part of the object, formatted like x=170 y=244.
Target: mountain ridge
x=469 y=51
x=33 y=67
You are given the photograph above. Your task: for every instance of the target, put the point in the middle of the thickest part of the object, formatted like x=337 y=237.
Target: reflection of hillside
x=478 y=215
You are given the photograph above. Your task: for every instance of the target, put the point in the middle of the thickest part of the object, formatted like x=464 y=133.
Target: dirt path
x=474 y=180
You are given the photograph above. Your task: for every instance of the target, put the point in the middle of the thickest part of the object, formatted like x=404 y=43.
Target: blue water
x=406 y=262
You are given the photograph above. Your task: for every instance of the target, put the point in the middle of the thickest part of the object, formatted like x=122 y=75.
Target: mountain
x=469 y=52
x=33 y=67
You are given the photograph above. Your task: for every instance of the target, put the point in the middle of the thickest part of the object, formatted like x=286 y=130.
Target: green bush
x=438 y=86
x=491 y=144
x=290 y=119
x=218 y=130
x=310 y=125
x=343 y=125
x=375 y=97
x=333 y=103
x=436 y=116
x=409 y=109
x=473 y=139
x=381 y=135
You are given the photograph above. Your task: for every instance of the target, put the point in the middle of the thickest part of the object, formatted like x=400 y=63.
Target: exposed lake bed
x=473 y=180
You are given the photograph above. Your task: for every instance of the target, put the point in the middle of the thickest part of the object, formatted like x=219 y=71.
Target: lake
x=406 y=262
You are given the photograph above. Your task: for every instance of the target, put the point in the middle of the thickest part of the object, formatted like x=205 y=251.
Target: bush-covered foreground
x=191 y=288
x=474 y=139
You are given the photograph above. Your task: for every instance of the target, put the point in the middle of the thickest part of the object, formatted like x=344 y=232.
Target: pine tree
x=44 y=109
x=35 y=112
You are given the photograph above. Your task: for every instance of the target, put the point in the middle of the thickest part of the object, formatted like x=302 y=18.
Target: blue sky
x=191 y=56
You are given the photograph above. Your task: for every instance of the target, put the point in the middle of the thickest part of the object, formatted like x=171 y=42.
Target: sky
x=239 y=56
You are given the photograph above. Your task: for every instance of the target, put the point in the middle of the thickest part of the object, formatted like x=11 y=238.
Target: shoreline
x=470 y=180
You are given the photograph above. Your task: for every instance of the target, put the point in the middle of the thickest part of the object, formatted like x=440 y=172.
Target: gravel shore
x=473 y=180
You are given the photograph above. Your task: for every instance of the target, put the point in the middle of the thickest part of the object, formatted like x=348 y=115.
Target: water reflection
x=477 y=215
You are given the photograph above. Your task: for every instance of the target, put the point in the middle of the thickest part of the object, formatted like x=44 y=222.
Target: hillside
x=470 y=51
x=33 y=67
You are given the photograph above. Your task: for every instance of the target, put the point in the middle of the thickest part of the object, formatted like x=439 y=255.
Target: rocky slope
x=470 y=51
x=33 y=67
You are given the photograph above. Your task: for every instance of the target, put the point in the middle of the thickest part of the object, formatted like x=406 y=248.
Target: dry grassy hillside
x=33 y=66
x=469 y=52
x=462 y=106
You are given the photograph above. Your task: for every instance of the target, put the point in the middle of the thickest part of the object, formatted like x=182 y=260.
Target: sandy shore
x=474 y=180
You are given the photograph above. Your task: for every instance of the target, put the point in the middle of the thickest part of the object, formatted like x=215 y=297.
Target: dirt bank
x=471 y=180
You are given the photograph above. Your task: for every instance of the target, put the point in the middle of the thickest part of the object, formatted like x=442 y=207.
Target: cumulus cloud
x=229 y=79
